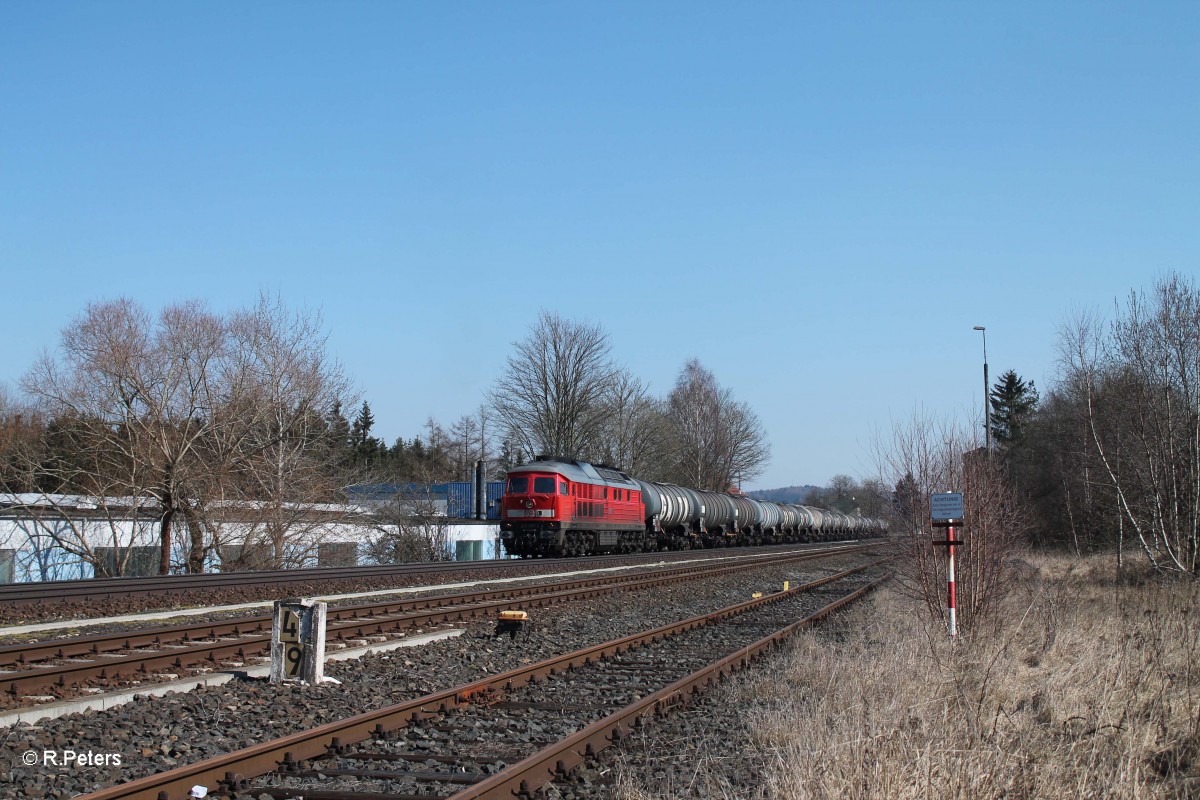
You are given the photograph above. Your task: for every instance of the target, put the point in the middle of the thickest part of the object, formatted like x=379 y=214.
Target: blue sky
x=817 y=200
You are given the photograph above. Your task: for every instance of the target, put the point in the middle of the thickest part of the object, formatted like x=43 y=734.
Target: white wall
x=28 y=549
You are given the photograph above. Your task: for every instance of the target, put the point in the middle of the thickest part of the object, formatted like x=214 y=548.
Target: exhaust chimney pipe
x=480 y=490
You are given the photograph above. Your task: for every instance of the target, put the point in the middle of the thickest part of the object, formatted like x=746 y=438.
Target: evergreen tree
x=398 y=458
x=363 y=422
x=909 y=503
x=1013 y=402
x=339 y=434
x=366 y=447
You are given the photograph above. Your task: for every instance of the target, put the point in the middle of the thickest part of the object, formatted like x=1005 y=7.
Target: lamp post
x=987 y=426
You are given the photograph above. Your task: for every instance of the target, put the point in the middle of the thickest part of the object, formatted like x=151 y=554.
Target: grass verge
x=1079 y=687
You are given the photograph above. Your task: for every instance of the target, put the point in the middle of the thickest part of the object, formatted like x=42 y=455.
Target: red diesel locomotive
x=571 y=508
x=557 y=507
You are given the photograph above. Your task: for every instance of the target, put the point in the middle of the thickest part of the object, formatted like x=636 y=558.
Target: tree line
x=1106 y=459
x=562 y=394
x=199 y=416
x=1110 y=458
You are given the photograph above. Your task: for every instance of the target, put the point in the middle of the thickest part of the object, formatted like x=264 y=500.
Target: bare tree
x=22 y=431
x=440 y=455
x=141 y=394
x=552 y=397
x=188 y=409
x=636 y=435
x=868 y=498
x=1140 y=390
x=465 y=444
x=874 y=498
x=719 y=441
x=1084 y=420
x=410 y=526
x=64 y=501
x=284 y=456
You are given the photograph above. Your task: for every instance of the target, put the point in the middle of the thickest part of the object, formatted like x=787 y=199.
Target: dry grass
x=1083 y=689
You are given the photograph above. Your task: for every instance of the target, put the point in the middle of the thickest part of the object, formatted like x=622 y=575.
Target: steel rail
x=232 y=770
x=22 y=653
x=522 y=779
x=353 y=622
x=124 y=587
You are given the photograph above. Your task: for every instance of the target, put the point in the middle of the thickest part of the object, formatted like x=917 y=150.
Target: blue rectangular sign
x=946 y=505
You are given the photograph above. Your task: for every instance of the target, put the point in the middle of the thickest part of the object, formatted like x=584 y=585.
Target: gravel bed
x=483 y=739
x=153 y=734
x=18 y=614
x=410 y=593
x=686 y=754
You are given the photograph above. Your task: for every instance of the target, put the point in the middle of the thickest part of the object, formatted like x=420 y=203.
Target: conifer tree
x=360 y=436
x=1013 y=403
x=339 y=435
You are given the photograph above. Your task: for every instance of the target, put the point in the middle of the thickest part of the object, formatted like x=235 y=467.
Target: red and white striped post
x=951 y=600
x=946 y=511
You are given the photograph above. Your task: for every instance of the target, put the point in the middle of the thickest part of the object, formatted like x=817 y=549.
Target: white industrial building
x=64 y=537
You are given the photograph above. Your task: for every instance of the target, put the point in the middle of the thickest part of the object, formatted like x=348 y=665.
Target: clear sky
x=816 y=199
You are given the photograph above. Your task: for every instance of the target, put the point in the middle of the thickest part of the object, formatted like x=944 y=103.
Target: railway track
x=508 y=734
x=102 y=588
x=108 y=595
x=65 y=667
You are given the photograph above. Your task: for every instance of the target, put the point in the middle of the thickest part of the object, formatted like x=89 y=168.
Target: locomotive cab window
x=518 y=485
x=543 y=485
x=563 y=490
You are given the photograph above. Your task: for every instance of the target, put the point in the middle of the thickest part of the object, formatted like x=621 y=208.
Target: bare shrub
x=1085 y=690
x=925 y=455
x=409 y=528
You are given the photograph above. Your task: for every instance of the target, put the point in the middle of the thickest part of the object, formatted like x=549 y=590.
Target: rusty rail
x=526 y=776
x=231 y=771
x=350 y=622
x=124 y=587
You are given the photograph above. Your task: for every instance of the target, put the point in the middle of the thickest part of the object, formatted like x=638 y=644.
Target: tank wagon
x=559 y=507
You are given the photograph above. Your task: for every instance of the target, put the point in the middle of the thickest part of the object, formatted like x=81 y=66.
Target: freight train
x=558 y=507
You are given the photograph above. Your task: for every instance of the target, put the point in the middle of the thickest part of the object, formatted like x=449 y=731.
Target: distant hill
x=788 y=494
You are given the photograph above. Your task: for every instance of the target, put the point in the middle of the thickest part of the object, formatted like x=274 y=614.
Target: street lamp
x=987 y=427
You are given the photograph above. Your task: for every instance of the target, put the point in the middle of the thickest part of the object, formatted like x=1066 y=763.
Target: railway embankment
x=155 y=734
x=1082 y=686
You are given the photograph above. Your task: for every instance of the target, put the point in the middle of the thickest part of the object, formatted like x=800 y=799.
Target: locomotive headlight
x=529 y=503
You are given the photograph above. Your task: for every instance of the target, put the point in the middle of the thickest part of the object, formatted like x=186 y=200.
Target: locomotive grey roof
x=578 y=471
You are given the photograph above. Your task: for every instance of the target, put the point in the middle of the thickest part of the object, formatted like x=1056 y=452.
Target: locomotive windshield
x=518 y=485
x=543 y=485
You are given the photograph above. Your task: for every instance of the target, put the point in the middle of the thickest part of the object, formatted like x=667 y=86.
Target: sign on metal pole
x=946 y=511
x=945 y=506
x=298 y=641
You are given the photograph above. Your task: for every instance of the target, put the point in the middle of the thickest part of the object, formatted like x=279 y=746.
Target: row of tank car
x=562 y=507
x=682 y=517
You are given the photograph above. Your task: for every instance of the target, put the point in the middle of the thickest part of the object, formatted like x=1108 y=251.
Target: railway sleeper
x=493 y=735
x=290 y=794
x=462 y=778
